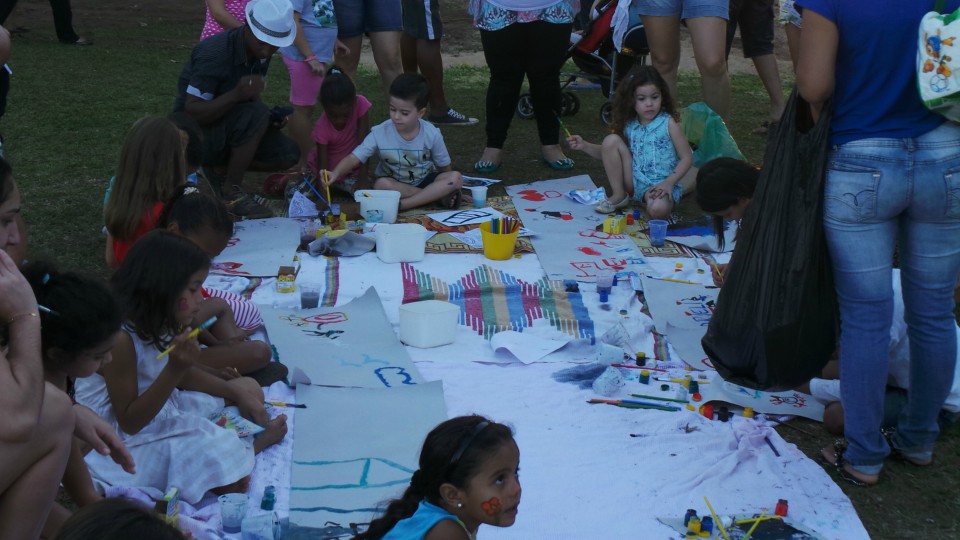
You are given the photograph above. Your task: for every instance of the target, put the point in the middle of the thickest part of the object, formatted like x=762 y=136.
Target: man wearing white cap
x=220 y=87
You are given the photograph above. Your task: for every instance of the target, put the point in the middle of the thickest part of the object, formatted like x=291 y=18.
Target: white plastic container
x=429 y=323
x=401 y=242
x=378 y=204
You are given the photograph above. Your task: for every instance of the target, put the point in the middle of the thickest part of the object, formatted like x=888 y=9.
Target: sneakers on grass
x=243 y=206
x=452 y=118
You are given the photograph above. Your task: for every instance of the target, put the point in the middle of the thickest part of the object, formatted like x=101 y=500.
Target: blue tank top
x=654 y=156
x=419 y=524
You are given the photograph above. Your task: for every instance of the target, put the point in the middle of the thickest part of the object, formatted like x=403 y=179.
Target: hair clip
x=45 y=279
x=190 y=191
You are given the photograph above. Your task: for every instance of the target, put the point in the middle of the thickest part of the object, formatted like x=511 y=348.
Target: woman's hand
x=16 y=296
x=317 y=67
x=101 y=436
x=720 y=274
x=660 y=191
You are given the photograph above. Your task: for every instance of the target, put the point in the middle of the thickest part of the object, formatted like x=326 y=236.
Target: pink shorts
x=304 y=85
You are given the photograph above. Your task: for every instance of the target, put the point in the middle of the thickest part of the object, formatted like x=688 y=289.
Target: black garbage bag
x=776 y=319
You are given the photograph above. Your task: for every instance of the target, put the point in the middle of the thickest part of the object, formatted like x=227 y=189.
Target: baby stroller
x=597 y=60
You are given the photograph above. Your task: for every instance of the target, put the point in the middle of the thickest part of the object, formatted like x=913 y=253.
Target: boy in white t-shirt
x=413 y=157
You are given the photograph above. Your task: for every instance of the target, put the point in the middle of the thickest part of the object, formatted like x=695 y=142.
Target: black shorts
x=755 y=18
x=276 y=151
x=421 y=19
x=427 y=180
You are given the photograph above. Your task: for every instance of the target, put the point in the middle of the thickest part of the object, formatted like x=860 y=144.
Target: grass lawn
x=69 y=108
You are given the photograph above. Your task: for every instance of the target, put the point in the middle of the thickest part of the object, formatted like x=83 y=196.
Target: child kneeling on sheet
x=827 y=391
x=468 y=476
x=205 y=221
x=162 y=405
x=413 y=156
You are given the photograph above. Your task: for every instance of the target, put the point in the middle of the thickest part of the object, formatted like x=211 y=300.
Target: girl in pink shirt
x=341 y=128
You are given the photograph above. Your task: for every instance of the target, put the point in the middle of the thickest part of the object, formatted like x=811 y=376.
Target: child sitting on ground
x=76 y=340
x=118 y=519
x=413 y=157
x=205 y=221
x=161 y=404
x=343 y=125
x=468 y=476
x=151 y=165
x=646 y=155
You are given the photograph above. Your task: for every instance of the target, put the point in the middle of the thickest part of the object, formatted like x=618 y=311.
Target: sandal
x=839 y=464
x=564 y=164
x=607 y=207
x=901 y=456
x=486 y=167
x=765 y=127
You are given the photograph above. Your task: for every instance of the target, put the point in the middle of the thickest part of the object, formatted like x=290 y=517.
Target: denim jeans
x=880 y=193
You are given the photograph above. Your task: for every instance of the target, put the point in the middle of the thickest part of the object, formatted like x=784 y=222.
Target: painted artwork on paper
x=788 y=402
x=544 y=207
x=349 y=345
x=492 y=301
x=345 y=465
x=259 y=247
x=699 y=234
x=682 y=311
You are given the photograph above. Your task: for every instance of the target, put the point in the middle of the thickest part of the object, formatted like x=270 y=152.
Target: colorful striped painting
x=492 y=301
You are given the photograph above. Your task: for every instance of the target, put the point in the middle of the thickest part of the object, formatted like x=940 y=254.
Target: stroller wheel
x=606 y=113
x=571 y=104
x=525 y=107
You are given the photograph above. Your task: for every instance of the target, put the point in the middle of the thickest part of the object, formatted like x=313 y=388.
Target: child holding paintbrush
x=161 y=405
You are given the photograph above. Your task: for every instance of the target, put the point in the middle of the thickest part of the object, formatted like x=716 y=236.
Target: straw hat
x=272 y=21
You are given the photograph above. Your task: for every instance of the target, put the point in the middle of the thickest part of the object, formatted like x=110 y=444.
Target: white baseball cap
x=272 y=21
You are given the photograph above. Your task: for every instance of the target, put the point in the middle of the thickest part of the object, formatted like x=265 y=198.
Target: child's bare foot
x=274 y=432
x=240 y=486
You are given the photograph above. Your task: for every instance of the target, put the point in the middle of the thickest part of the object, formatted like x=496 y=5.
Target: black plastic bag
x=776 y=320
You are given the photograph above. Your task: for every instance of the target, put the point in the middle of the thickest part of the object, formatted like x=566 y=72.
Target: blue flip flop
x=486 y=167
x=564 y=164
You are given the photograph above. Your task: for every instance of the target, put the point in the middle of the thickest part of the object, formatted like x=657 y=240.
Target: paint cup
x=309 y=296
x=608 y=382
x=658 y=232
x=261 y=527
x=609 y=354
x=308 y=233
x=233 y=506
x=497 y=247
x=479 y=194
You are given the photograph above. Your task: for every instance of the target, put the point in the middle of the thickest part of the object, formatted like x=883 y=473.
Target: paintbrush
x=326 y=182
x=716 y=519
x=193 y=333
x=564 y=126
x=282 y=404
x=676 y=280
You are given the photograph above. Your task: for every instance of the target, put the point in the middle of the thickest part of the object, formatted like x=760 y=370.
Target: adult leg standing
x=755 y=19
x=901 y=183
x=420 y=50
x=62 y=20
x=382 y=21
x=536 y=50
x=707 y=24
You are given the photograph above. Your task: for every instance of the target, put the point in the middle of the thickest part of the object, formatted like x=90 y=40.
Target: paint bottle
x=781 y=509
x=693 y=387
x=644 y=376
x=604 y=284
x=706 y=524
x=748 y=412
x=691 y=513
x=636 y=214
x=693 y=525
x=269 y=498
x=686 y=381
x=641 y=358
x=681 y=393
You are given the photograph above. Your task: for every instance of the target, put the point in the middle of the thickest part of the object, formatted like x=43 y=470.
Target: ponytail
x=397 y=510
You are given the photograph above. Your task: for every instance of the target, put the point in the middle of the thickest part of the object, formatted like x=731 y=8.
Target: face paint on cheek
x=492 y=506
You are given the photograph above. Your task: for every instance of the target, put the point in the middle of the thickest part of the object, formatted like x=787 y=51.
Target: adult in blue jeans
x=889 y=182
